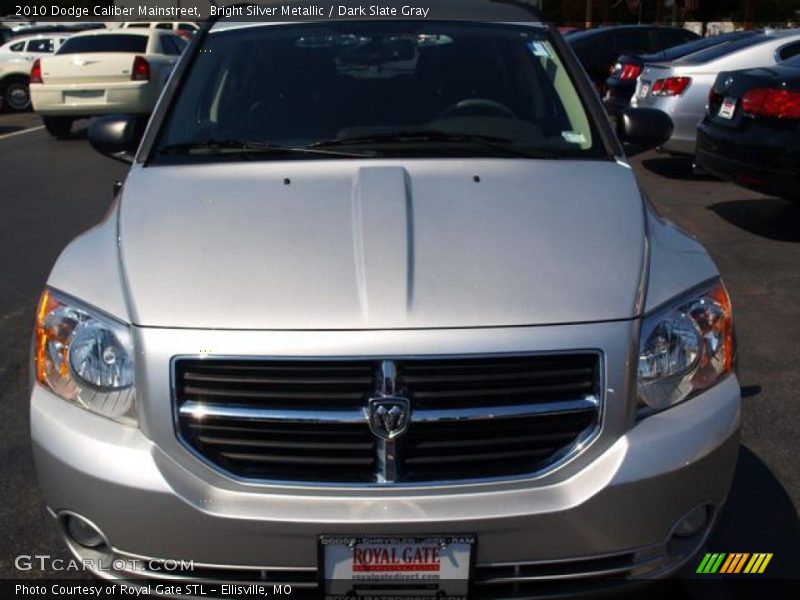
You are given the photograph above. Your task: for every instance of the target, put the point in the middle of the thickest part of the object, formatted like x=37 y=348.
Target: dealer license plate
x=396 y=566
x=728 y=108
x=79 y=96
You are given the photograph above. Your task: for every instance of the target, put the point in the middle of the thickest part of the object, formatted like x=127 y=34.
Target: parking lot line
x=13 y=133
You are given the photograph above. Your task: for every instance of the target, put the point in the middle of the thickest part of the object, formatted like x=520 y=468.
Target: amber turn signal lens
x=47 y=304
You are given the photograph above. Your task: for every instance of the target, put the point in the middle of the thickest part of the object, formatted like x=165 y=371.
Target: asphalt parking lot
x=52 y=190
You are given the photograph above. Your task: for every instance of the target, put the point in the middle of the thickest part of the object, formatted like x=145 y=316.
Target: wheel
x=476 y=107
x=58 y=126
x=15 y=94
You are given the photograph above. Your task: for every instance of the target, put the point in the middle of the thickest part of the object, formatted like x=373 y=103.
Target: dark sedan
x=751 y=132
x=598 y=49
x=621 y=84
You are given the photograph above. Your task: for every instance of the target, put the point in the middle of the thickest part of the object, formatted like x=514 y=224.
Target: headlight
x=85 y=357
x=685 y=348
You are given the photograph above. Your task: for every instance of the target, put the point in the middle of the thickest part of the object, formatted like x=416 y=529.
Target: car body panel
x=688 y=109
x=16 y=65
x=621 y=90
x=598 y=48
x=31 y=47
x=757 y=152
x=89 y=267
x=383 y=244
x=185 y=29
x=94 y=83
x=678 y=262
x=85 y=100
x=379 y=259
x=618 y=504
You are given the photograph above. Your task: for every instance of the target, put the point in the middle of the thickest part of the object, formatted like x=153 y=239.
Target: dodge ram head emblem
x=388 y=416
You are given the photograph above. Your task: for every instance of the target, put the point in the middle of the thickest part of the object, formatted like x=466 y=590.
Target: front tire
x=16 y=94
x=58 y=127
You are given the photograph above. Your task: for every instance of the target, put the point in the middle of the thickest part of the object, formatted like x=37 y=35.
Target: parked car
x=751 y=131
x=621 y=84
x=16 y=58
x=31 y=45
x=102 y=72
x=598 y=49
x=384 y=287
x=52 y=28
x=185 y=29
x=681 y=88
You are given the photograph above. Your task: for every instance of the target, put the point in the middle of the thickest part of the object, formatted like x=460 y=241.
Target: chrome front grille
x=386 y=421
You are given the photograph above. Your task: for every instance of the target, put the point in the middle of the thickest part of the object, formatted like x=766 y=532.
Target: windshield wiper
x=252 y=147
x=435 y=135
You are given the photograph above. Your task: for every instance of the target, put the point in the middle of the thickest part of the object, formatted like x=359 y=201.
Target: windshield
x=104 y=43
x=380 y=89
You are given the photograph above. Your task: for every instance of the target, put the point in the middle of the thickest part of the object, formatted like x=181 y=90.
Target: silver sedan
x=681 y=88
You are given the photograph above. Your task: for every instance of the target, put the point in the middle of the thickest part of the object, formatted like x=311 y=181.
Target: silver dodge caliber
x=380 y=304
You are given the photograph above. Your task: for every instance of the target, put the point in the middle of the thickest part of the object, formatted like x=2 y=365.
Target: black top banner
x=269 y=10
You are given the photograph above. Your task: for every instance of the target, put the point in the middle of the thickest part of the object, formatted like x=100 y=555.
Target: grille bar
x=427 y=415
x=584 y=568
x=329 y=420
x=303 y=445
x=200 y=410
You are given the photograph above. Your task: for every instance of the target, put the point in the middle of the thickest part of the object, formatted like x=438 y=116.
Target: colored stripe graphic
x=732 y=558
x=735 y=561
x=716 y=562
x=701 y=568
x=711 y=562
x=741 y=562
x=765 y=563
x=758 y=563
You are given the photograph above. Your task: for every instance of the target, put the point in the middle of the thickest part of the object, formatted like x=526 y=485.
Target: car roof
x=674 y=53
x=118 y=31
x=39 y=36
x=783 y=32
x=152 y=24
x=587 y=33
x=742 y=45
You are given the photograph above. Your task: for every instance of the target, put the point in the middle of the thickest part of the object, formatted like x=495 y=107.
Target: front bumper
x=614 y=516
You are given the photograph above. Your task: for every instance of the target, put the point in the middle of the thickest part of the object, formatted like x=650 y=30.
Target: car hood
x=351 y=244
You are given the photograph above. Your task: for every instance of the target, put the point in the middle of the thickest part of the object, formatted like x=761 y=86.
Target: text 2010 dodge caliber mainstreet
x=381 y=305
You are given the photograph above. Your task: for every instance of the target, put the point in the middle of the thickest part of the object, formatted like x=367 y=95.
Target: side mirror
x=117 y=136
x=647 y=127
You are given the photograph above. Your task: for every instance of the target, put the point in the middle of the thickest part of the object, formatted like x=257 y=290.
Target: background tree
x=766 y=12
